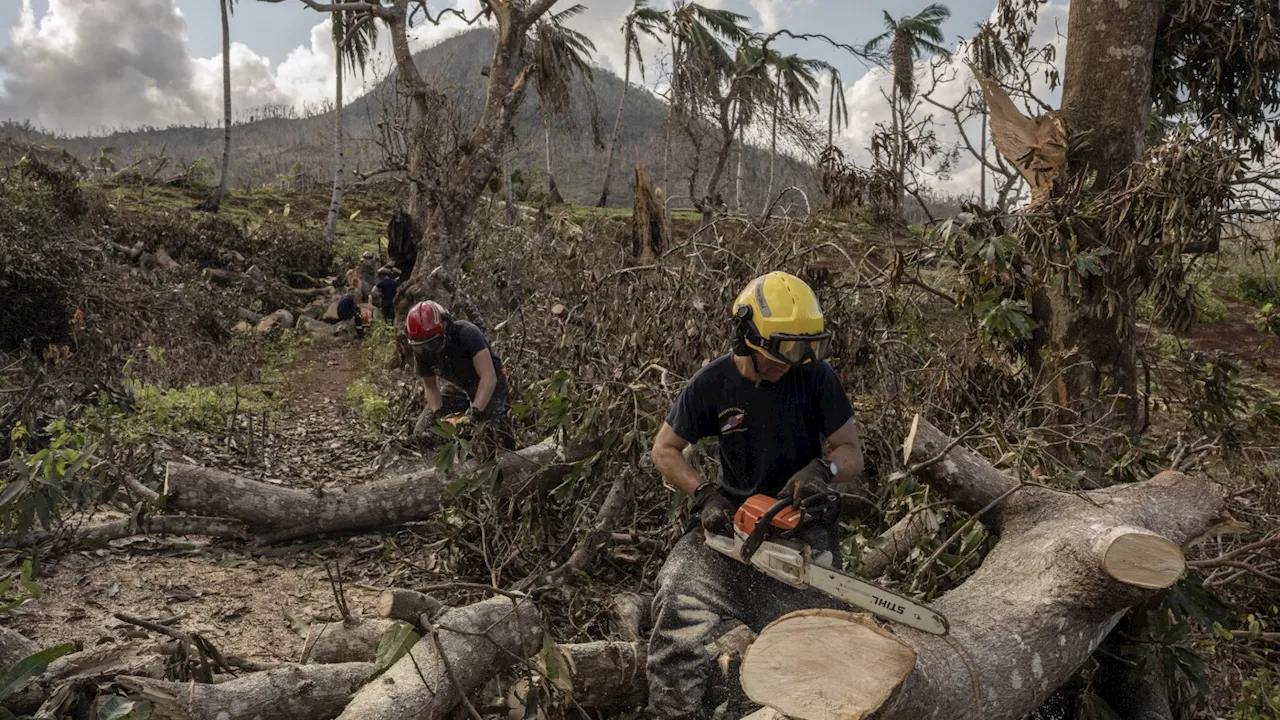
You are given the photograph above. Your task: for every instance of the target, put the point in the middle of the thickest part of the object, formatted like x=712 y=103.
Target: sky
x=79 y=66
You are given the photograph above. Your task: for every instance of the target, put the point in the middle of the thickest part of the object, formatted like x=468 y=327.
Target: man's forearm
x=676 y=471
x=484 y=391
x=848 y=460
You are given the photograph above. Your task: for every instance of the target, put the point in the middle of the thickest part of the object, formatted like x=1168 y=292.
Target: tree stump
x=649 y=233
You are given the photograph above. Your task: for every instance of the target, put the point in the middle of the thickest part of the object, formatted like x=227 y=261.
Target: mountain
x=277 y=145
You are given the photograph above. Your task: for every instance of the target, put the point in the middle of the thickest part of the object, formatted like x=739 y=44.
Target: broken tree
x=1065 y=570
x=649 y=229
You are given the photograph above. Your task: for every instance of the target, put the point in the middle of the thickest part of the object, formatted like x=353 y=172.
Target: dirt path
x=250 y=602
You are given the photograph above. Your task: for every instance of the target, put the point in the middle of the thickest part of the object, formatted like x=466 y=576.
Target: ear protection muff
x=742 y=329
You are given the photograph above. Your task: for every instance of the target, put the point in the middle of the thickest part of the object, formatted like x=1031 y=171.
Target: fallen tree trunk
x=278 y=513
x=94 y=665
x=14 y=646
x=297 y=692
x=1065 y=570
x=469 y=645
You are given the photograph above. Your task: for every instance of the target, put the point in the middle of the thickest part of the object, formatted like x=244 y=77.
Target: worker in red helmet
x=459 y=352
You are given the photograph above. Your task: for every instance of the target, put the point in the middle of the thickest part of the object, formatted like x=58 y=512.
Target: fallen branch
x=584 y=554
x=129 y=527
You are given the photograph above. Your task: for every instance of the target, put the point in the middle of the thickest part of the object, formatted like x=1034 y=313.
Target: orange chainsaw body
x=750 y=512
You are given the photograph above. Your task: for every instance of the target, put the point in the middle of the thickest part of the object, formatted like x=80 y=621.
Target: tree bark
x=215 y=201
x=472 y=644
x=649 y=228
x=277 y=513
x=1021 y=626
x=1106 y=93
x=129 y=527
x=553 y=193
x=351 y=640
x=96 y=664
x=296 y=692
x=14 y=646
x=335 y=201
x=628 y=39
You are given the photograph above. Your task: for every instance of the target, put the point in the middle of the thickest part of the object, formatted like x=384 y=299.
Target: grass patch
x=369 y=401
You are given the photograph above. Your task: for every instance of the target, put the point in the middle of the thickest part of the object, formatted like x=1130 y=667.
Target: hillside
x=266 y=149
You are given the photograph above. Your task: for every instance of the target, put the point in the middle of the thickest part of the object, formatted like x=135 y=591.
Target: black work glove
x=715 y=511
x=476 y=415
x=812 y=479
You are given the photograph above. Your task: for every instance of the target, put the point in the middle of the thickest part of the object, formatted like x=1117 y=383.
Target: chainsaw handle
x=753 y=541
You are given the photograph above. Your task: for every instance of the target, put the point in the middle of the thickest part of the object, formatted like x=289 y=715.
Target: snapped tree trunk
x=1065 y=570
x=649 y=229
x=335 y=201
x=627 y=40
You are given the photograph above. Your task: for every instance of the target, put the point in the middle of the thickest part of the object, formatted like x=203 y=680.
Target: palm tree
x=837 y=108
x=353 y=42
x=909 y=38
x=641 y=19
x=795 y=84
x=215 y=201
x=560 y=55
x=700 y=42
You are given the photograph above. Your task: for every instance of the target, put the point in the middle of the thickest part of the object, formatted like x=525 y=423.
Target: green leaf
x=17 y=675
x=394 y=643
x=13 y=490
x=354 y=215
x=28 y=578
x=285 y=212
x=550 y=656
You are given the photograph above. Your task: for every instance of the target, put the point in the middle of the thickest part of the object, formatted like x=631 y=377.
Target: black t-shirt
x=387 y=287
x=454 y=363
x=765 y=433
x=347 y=307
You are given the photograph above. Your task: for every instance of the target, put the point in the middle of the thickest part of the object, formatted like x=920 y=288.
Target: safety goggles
x=431 y=345
x=798 y=349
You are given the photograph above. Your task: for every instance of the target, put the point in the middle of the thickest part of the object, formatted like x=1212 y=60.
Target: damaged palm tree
x=650 y=233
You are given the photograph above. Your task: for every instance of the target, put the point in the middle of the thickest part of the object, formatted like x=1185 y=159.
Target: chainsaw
x=769 y=534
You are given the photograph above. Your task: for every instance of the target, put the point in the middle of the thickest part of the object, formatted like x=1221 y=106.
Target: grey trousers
x=698 y=588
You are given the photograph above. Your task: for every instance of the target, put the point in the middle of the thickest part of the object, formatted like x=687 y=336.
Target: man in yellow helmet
x=771 y=403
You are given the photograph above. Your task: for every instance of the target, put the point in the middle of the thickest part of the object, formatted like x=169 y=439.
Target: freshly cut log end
x=825 y=665
x=407 y=605
x=1141 y=558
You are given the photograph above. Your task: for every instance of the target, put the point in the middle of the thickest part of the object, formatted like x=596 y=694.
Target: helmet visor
x=799 y=349
x=432 y=344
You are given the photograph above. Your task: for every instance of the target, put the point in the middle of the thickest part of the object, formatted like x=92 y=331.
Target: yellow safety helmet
x=779 y=315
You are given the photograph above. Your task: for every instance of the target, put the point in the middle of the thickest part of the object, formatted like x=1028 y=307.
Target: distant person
x=349 y=305
x=368 y=273
x=384 y=293
x=459 y=352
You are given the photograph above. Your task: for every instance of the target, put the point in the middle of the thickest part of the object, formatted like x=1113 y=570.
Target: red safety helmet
x=426 y=324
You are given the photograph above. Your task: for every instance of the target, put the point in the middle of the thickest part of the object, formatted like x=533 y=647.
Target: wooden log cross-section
x=1065 y=570
x=276 y=513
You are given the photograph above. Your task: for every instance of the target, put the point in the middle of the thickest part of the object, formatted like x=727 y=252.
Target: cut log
x=297 y=692
x=1065 y=570
x=407 y=605
x=632 y=615
x=354 y=640
x=278 y=513
x=825 y=663
x=477 y=641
